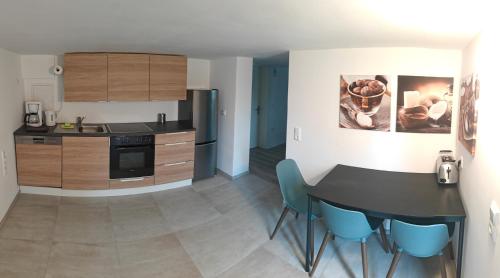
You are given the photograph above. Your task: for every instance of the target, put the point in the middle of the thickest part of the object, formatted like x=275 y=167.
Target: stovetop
x=128 y=128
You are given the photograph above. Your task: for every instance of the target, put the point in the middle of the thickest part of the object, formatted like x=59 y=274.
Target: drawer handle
x=174 y=144
x=173 y=164
x=131 y=179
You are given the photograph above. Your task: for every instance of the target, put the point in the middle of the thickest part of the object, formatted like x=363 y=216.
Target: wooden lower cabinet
x=172 y=138
x=39 y=165
x=174 y=152
x=132 y=182
x=171 y=172
x=174 y=157
x=85 y=163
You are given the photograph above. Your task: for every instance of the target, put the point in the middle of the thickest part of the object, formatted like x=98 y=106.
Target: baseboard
x=2 y=221
x=222 y=173
x=103 y=193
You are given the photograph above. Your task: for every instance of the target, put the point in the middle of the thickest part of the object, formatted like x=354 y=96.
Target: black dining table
x=389 y=195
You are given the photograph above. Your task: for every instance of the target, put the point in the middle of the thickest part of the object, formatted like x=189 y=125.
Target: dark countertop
x=169 y=127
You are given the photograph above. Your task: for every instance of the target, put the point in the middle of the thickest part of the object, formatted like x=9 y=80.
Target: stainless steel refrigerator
x=200 y=109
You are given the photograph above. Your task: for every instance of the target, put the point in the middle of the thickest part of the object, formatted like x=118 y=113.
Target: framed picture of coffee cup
x=365 y=102
x=424 y=104
x=469 y=96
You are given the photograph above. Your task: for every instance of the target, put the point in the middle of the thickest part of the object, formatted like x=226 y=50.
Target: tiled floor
x=215 y=228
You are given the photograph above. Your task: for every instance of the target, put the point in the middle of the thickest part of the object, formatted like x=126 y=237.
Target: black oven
x=132 y=156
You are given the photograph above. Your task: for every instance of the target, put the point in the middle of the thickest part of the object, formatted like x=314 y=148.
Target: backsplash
x=117 y=112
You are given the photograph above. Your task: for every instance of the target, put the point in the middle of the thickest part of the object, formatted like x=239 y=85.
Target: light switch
x=297 y=134
x=3 y=159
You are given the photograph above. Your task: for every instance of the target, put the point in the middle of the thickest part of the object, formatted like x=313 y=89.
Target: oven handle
x=131 y=179
x=173 y=164
x=174 y=144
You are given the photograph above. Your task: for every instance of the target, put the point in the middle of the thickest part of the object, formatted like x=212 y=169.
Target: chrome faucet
x=79 y=120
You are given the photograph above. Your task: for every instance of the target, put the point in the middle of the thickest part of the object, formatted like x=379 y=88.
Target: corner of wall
x=11 y=111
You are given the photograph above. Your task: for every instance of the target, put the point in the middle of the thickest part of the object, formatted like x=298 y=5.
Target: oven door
x=131 y=161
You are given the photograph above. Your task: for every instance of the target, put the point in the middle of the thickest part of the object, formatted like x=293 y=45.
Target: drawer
x=132 y=182
x=171 y=172
x=169 y=138
x=174 y=152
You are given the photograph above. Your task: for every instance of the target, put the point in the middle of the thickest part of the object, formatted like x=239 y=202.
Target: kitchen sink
x=92 y=129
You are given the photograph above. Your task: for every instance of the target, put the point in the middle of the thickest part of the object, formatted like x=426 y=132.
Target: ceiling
x=216 y=28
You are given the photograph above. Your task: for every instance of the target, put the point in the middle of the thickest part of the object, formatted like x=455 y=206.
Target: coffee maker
x=34 y=116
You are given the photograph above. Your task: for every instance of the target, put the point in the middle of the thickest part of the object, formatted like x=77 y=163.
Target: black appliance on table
x=131 y=156
x=200 y=110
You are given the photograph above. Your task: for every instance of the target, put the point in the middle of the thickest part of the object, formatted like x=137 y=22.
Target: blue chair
x=420 y=241
x=423 y=221
x=350 y=225
x=294 y=191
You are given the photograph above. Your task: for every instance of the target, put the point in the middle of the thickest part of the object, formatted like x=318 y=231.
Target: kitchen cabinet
x=167 y=77
x=132 y=182
x=128 y=77
x=172 y=172
x=85 y=163
x=177 y=137
x=86 y=77
x=38 y=161
x=174 y=157
x=174 y=152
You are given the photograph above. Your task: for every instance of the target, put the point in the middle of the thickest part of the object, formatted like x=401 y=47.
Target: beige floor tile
x=186 y=208
x=37 y=200
x=227 y=197
x=254 y=185
x=132 y=201
x=138 y=223
x=217 y=245
x=23 y=258
x=98 y=202
x=210 y=183
x=155 y=257
x=83 y=225
x=222 y=228
x=30 y=222
x=289 y=243
x=82 y=260
x=262 y=263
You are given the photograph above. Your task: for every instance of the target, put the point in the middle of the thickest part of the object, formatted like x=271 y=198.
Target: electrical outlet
x=3 y=157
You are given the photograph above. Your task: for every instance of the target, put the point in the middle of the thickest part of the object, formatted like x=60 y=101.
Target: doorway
x=269 y=115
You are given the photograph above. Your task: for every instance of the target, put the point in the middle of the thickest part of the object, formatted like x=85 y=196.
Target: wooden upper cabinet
x=85 y=163
x=128 y=77
x=167 y=77
x=85 y=77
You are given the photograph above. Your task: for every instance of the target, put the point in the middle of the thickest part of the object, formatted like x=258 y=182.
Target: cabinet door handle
x=173 y=164
x=174 y=144
x=131 y=179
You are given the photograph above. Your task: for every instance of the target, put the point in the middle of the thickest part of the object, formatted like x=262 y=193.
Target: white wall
x=313 y=105
x=233 y=77
x=38 y=77
x=480 y=177
x=244 y=72
x=11 y=103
